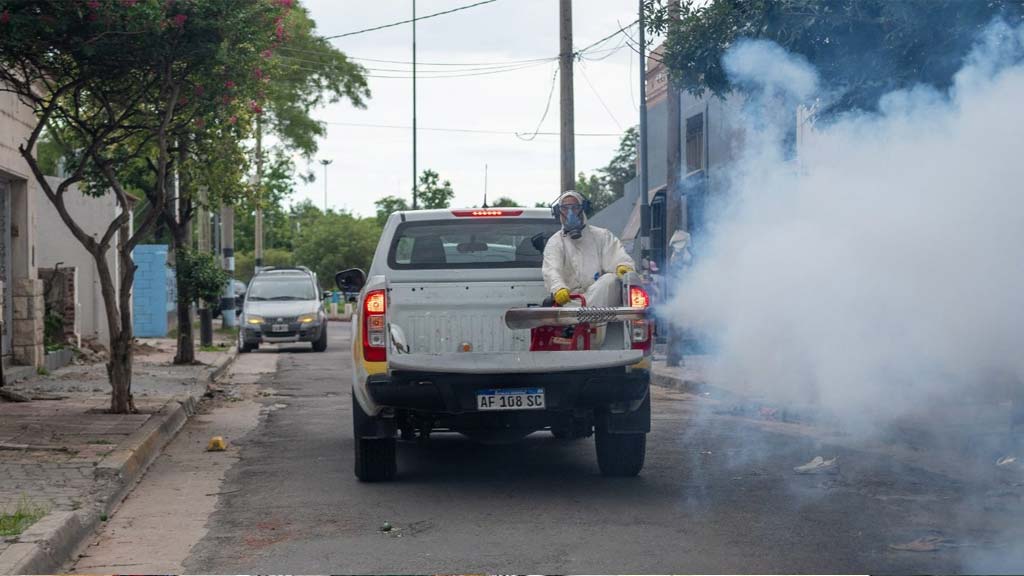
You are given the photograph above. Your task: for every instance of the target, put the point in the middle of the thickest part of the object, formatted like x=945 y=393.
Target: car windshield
x=282 y=288
x=469 y=244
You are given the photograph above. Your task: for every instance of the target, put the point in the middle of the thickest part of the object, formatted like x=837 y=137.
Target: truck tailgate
x=513 y=362
x=439 y=317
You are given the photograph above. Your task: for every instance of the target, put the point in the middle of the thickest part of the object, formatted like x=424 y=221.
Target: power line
x=409 y=21
x=578 y=53
x=435 y=75
x=495 y=67
x=547 y=108
x=583 y=70
x=622 y=30
x=468 y=130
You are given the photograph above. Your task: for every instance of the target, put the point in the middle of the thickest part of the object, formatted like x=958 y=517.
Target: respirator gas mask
x=572 y=220
x=572 y=215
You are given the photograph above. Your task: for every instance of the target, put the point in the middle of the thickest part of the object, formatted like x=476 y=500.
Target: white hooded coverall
x=586 y=265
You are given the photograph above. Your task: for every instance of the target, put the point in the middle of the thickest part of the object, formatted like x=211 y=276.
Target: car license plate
x=279 y=328
x=510 y=399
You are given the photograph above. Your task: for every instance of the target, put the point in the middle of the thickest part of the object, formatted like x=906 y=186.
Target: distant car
x=283 y=305
x=239 y=289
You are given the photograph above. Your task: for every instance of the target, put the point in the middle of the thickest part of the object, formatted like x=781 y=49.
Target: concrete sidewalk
x=62 y=455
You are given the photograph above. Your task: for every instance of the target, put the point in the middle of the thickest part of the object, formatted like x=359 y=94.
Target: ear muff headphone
x=586 y=208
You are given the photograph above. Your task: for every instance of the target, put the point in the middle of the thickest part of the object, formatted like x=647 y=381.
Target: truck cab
x=432 y=351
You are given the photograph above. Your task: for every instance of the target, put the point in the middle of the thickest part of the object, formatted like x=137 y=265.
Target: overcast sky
x=369 y=163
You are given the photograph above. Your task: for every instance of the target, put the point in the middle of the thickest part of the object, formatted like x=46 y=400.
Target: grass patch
x=42 y=371
x=25 y=515
x=215 y=348
x=231 y=331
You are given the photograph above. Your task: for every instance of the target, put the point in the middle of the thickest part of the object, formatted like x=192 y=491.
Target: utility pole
x=645 y=206
x=227 y=302
x=258 y=241
x=415 y=174
x=565 y=62
x=203 y=219
x=325 y=162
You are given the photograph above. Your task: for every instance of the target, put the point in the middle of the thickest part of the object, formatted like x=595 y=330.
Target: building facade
x=23 y=308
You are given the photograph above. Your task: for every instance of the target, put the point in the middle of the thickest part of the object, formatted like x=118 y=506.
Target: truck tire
x=375 y=458
x=620 y=454
x=320 y=344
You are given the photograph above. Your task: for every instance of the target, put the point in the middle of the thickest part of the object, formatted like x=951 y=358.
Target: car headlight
x=254 y=320
x=307 y=318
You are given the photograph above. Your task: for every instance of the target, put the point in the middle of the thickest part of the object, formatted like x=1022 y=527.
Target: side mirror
x=351 y=280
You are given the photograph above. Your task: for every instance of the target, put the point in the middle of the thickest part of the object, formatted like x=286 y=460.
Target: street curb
x=52 y=542
x=221 y=366
x=739 y=404
x=673 y=382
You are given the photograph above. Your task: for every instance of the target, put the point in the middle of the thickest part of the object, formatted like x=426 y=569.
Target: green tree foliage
x=861 y=48
x=336 y=241
x=387 y=206
x=505 y=202
x=202 y=276
x=130 y=86
x=432 y=192
x=278 y=186
x=245 y=262
x=306 y=72
x=594 y=189
x=610 y=184
x=622 y=167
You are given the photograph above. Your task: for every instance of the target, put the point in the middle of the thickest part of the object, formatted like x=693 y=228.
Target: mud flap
x=369 y=427
x=627 y=418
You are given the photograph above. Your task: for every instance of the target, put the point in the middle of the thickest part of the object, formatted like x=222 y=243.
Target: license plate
x=510 y=399
x=279 y=328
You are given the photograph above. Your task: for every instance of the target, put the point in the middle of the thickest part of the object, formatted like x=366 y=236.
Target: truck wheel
x=376 y=459
x=321 y=343
x=620 y=454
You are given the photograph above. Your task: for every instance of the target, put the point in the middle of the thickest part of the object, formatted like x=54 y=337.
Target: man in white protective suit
x=583 y=259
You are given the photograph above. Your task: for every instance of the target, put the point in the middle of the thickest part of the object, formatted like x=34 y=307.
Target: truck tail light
x=374 y=326
x=638 y=297
x=640 y=330
x=486 y=213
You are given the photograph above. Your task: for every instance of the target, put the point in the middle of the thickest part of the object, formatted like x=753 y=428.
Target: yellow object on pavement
x=562 y=297
x=217 y=444
x=622 y=270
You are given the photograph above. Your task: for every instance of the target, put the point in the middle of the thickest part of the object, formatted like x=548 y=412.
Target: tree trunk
x=119 y=370
x=119 y=365
x=186 y=343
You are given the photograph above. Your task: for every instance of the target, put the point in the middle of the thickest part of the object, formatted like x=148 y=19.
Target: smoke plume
x=875 y=264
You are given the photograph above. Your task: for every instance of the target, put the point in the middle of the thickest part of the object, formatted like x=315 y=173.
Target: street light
x=325 y=162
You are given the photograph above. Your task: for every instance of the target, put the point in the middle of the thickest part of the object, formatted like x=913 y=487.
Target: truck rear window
x=469 y=244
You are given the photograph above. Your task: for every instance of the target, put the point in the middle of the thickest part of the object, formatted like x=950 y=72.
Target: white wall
x=56 y=244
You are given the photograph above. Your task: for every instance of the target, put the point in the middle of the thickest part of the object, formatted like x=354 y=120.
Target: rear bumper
x=444 y=393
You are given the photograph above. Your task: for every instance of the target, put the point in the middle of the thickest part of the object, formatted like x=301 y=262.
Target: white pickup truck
x=432 y=350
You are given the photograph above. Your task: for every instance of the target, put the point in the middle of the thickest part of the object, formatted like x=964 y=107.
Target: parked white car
x=432 y=351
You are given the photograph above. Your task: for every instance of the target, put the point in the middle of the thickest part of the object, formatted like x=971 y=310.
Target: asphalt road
x=718 y=495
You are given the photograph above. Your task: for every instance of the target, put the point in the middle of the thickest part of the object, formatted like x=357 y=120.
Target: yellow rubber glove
x=622 y=270
x=562 y=297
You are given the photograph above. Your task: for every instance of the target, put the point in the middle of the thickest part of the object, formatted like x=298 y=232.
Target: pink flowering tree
x=134 y=88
